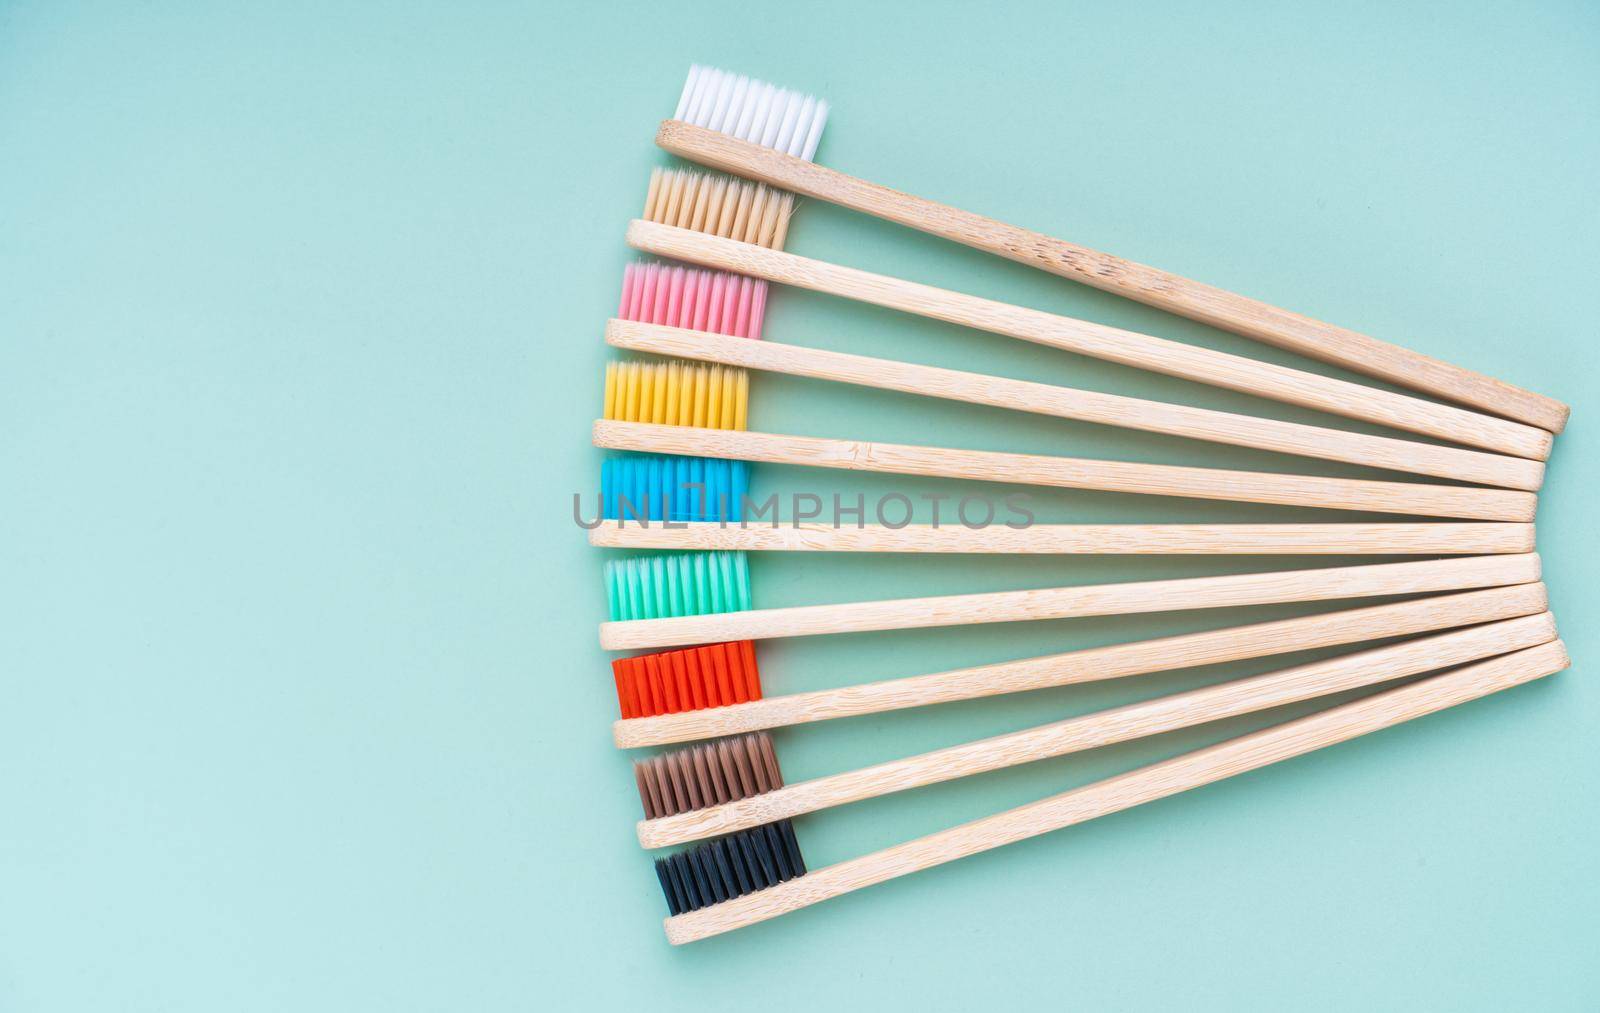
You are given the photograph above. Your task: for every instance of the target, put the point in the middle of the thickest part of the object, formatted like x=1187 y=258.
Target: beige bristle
x=707 y=774
x=677 y=394
x=720 y=206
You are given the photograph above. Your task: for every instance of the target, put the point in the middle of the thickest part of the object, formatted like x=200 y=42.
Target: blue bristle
x=694 y=488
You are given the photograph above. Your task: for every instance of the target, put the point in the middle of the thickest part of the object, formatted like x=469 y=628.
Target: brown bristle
x=720 y=206
x=707 y=774
x=687 y=679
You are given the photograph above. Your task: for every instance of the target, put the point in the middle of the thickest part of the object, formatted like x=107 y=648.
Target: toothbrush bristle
x=680 y=584
x=687 y=679
x=707 y=774
x=691 y=298
x=754 y=111
x=664 y=488
x=719 y=205
x=729 y=867
x=674 y=393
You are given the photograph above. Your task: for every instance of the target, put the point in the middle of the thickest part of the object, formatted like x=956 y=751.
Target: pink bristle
x=741 y=310
x=645 y=299
x=702 y=300
x=660 y=289
x=758 y=309
x=713 y=301
x=629 y=287
x=675 y=304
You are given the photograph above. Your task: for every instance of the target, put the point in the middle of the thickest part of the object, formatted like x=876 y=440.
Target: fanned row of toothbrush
x=685 y=424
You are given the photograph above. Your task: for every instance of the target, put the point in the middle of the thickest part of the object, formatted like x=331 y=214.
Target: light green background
x=300 y=309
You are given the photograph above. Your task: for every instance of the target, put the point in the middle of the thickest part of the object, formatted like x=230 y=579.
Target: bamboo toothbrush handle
x=1173 y=293
x=1142 y=351
x=1087 y=406
x=1437 y=538
x=1104 y=728
x=1072 y=472
x=1146 y=784
x=1326 y=584
x=1117 y=661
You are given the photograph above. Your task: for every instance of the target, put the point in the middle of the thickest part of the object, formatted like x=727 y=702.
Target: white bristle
x=754 y=111
x=688 y=90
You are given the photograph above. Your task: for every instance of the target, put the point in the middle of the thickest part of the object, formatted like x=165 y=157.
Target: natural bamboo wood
x=1437 y=538
x=1114 y=794
x=1325 y=584
x=1173 y=293
x=1412 y=498
x=1083 y=405
x=1117 y=661
x=1142 y=351
x=1103 y=728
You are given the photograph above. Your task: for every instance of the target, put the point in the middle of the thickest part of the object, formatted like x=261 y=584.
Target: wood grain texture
x=1435 y=538
x=1173 y=293
x=1082 y=405
x=1114 y=794
x=1103 y=728
x=1129 y=348
x=1325 y=584
x=1117 y=661
x=1410 y=498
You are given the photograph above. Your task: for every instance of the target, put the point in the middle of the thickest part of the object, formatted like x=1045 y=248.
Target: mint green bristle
x=685 y=586
x=681 y=584
x=612 y=585
x=701 y=583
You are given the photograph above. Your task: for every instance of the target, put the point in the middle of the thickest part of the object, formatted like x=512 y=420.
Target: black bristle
x=731 y=866
x=694 y=859
x=725 y=868
x=766 y=866
x=780 y=856
x=664 y=873
x=706 y=859
x=749 y=862
x=684 y=873
x=741 y=867
x=791 y=844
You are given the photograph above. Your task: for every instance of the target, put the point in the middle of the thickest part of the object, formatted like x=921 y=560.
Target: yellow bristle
x=714 y=400
x=658 y=402
x=742 y=408
x=611 y=390
x=697 y=407
x=630 y=405
x=677 y=394
x=673 y=383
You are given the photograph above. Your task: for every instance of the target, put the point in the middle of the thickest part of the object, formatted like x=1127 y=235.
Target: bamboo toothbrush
x=1413 y=498
x=732 y=785
x=1385 y=452
x=704 y=598
x=1438 y=538
x=726 y=122
x=757 y=874
x=655 y=409
x=704 y=692
x=1142 y=351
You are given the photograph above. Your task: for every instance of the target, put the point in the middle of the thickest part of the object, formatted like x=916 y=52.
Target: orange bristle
x=691 y=678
